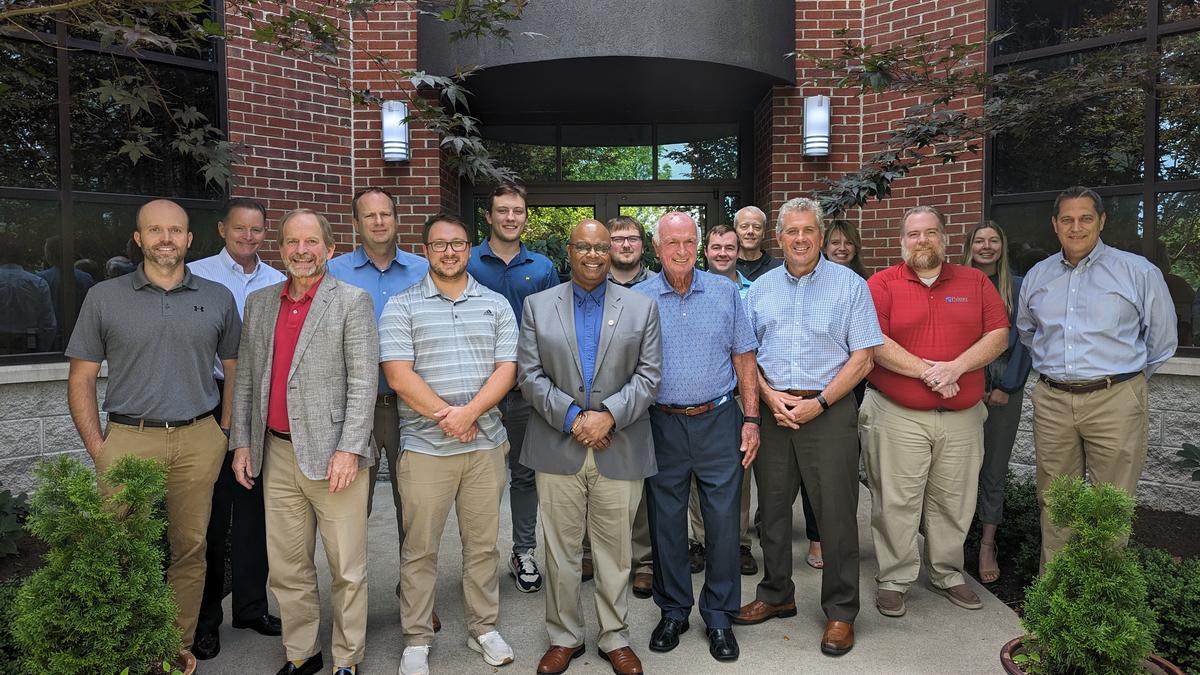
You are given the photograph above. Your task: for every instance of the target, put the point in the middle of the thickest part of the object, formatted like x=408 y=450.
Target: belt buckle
x=688 y=410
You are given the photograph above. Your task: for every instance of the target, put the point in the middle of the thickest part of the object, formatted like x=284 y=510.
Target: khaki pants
x=192 y=456
x=472 y=482
x=697 y=523
x=606 y=508
x=296 y=508
x=918 y=462
x=1103 y=433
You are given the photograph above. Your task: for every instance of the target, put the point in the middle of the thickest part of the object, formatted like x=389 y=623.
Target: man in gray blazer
x=305 y=398
x=589 y=360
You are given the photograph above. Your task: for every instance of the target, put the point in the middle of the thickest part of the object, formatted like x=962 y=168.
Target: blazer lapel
x=566 y=316
x=612 y=316
x=266 y=339
x=321 y=302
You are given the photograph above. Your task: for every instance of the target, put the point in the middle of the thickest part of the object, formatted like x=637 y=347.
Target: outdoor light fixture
x=816 y=126
x=395 y=131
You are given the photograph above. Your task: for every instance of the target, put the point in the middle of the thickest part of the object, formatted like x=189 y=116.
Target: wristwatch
x=821 y=399
x=752 y=419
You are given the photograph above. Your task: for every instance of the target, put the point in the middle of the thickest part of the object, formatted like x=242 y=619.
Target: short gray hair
x=654 y=229
x=800 y=205
x=752 y=210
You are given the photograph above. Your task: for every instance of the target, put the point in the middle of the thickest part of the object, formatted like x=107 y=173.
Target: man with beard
x=503 y=264
x=159 y=328
x=304 y=401
x=700 y=436
x=628 y=245
x=750 y=223
x=449 y=349
x=922 y=417
x=590 y=360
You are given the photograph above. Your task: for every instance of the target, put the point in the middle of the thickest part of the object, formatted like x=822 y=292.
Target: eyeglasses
x=621 y=241
x=584 y=249
x=458 y=245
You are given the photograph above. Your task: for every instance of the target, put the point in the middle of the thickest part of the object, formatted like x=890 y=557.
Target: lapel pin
x=611 y=322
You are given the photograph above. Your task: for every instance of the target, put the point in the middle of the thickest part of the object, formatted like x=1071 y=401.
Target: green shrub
x=1089 y=613
x=1174 y=590
x=12 y=510
x=100 y=603
x=10 y=654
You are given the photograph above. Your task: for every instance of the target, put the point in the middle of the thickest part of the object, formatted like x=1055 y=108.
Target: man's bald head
x=587 y=225
x=161 y=212
x=590 y=247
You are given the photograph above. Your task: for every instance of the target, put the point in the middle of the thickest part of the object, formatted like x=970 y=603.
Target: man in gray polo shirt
x=449 y=349
x=159 y=328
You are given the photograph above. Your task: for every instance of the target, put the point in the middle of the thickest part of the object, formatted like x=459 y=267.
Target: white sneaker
x=495 y=650
x=415 y=661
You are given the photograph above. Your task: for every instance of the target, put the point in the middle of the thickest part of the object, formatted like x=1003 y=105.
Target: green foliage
x=1189 y=459
x=10 y=653
x=553 y=247
x=100 y=603
x=1174 y=595
x=1089 y=613
x=1019 y=539
x=12 y=510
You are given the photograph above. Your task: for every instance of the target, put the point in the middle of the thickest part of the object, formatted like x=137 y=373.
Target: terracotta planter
x=1154 y=665
x=186 y=662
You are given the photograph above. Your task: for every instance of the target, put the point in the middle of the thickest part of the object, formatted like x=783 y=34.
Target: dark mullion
x=1116 y=39
x=66 y=207
x=989 y=58
x=1150 y=142
x=145 y=56
x=1048 y=195
x=1179 y=27
x=121 y=198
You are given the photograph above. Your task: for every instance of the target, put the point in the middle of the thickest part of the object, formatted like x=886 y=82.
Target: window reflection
x=1043 y=23
x=28 y=322
x=29 y=115
x=1031 y=237
x=1179 y=108
x=1177 y=254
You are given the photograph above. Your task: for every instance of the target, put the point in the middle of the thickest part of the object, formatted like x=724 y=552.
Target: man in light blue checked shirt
x=1098 y=322
x=817 y=328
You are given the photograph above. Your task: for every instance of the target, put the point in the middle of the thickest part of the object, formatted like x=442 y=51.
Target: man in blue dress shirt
x=699 y=432
x=1098 y=322
x=503 y=264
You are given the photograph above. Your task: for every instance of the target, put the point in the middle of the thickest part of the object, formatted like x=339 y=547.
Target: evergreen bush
x=12 y=510
x=10 y=654
x=1174 y=590
x=1088 y=613
x=100 y=603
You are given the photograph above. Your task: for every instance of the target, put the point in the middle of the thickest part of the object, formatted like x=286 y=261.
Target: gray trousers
x=522 y=489
x=386 y=435
x=999 y=434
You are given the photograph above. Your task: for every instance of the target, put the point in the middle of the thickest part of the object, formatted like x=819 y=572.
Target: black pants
x=237 y=513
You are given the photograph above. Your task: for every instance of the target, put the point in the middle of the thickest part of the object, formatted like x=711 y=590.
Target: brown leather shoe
x=437 y=623
x=759 y=611
x=623 y=660
x=749 y=565
x=557 y=659
x=643 y=583
x=588 y=571
x=838 y=638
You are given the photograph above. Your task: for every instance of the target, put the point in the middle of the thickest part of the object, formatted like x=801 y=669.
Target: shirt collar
x=430 y=289
x=140 y=281
x=816 y=271
x=743 y=282
x=359 y=258
x=946 y=274
x=697 y=285
x=520 y=257
x=229 y=263
x=308 y=295
x=596 y=295
x=1089 y=259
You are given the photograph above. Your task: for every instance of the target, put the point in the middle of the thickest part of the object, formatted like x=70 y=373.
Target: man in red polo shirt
x=921 y=423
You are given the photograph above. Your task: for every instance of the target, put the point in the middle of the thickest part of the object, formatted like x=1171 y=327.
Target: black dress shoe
x=722 y=645
x=263 y=625
x=696 y=558
x=206 y=645
x=666 y=634
x=313 y=665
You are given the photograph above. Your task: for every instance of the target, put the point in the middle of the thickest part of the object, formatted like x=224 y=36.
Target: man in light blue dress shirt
x=236 y=512
x=1098 y=322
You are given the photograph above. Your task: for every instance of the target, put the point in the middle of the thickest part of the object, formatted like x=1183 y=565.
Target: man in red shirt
x=921 y=422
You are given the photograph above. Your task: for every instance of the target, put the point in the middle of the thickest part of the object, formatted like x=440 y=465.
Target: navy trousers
x=706 y=446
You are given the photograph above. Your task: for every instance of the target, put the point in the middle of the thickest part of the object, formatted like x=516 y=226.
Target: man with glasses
x=503 y=264
x=589 y=362
x=449 y=348
x=628 y=245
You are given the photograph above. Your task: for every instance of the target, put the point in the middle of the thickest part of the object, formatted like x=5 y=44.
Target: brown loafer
x=643 y=583
x=623 y=660
x=838 y=638
x=759 y=611
x=749 y=566
x=587 y=568
x=437 y=623
x=557 y=659
x=961 y=595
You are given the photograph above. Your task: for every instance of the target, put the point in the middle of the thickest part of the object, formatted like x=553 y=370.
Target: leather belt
x=154 y=424
x=803 y=393
x=281 y=435
x=1088 y=387
x=691 y=410
x=385 y=399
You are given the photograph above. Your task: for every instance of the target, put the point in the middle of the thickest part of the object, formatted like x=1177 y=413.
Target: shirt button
x=685 y=313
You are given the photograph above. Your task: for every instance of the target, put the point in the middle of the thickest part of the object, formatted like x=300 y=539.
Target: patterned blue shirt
x=589 y=312
x=701 y=331
x=356 y=269
x=807 y=327
x=527 y=273
x=1108 y=315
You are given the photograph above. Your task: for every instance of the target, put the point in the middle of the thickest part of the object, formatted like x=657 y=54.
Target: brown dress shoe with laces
x=557 y=659
x=838 y=638
x=623 y=660
x=643 y=584
x=759 y=611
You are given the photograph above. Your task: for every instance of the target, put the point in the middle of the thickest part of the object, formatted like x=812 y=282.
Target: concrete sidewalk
x=934 y=637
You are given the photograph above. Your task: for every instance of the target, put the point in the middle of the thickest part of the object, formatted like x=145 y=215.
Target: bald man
x=159 y=328
x=589 y=360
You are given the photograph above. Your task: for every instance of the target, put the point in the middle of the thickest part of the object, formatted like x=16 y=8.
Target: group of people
x=612 y=405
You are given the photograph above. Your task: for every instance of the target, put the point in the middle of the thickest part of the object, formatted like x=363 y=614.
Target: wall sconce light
x=395 y=131
x=816 y=126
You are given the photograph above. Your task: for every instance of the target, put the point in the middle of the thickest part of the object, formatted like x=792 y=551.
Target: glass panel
x=29 y=115
x=182 y=29
x=649 y=214
x=1179 y=114
x=1095 y=141
x=1042 y=23
x=1178 y=10
x=697 y=151
x=100 y=128
x=1177 y=254
x=28 y=321
x=531 y=162
x=550 y=227
x=104 y=236
x=730 y=205
x=607 y=152
x=1031 y=236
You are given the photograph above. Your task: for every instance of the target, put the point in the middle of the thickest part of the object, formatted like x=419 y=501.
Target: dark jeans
x=522 y=490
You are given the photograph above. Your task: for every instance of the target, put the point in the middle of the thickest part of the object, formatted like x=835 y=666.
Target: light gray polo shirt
x=454 y=344
x=159 y=344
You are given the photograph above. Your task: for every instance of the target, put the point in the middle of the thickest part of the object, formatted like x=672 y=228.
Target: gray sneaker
x=890 y=603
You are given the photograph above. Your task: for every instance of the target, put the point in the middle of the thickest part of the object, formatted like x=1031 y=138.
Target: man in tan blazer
x=589 y=360
x=305 y=399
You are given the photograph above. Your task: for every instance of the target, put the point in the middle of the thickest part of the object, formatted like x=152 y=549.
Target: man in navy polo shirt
x=503 y=264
